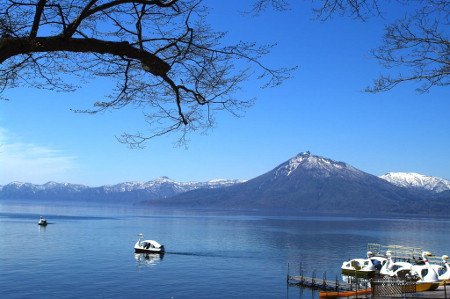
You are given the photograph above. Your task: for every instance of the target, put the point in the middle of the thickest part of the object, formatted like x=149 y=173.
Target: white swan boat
x=443 y=271
x=391 y=268
x=428 y=277
x=363 y=267
x=148 y=246
x=42 y=221
x=425 y=276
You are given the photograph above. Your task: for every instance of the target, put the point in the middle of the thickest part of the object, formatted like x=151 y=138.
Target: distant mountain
x=417 y=181
x=307 y=183
x=304 y=183
x=129 y=192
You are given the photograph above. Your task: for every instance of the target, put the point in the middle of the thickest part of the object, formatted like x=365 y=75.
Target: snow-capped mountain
x=318 y=165
x=417 y=181
x=162 y=187
x=158 y=183
x=305 y=182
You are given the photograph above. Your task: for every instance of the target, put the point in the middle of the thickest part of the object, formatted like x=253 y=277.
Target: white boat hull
x=149 y=250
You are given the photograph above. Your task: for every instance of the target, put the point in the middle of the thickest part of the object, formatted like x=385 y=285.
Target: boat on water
x=395 y=268
x=148 y=246
x=363 y=267
x=428 y=278
x=42 y=221
x=443 y=270
x=423 y=274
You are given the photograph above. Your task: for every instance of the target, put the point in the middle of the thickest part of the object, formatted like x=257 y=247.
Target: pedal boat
x=443 y=271
x=42 y=221
x=148 y=246
x=363 y=267
x=425 y=276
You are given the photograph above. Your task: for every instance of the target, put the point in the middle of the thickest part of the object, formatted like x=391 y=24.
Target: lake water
x=87 y=251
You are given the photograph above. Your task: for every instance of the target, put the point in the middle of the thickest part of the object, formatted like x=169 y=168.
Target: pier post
x=287 y=276
x=313 y=280
x=445 y=289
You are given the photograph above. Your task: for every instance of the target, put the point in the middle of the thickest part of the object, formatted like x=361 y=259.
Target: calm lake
x=87 y=251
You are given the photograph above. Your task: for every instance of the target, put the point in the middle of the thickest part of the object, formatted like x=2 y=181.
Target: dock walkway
x=320 y=284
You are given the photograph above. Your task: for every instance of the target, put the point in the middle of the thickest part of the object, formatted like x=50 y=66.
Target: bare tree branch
x=420 y=47
x=16 y=46
x=416 y=47
x=162 y=54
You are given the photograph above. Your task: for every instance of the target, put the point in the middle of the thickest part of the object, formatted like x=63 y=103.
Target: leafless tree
x=325 y=9
x=415 y=48
x=162 y=55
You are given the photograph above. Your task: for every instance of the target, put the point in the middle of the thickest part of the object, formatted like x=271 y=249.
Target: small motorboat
x=42 y=221
x=148 y=246
x=363 y=267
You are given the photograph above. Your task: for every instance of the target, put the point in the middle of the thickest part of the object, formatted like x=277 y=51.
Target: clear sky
x=321 y=109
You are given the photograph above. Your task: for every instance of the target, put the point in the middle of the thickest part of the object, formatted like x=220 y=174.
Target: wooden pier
x=329 y=288
x=318 y=283
x=358 y=288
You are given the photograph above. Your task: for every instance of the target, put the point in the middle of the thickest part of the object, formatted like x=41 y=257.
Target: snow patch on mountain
x=416 y=180
x=322 y=166
x=162 y=182
x=153 y=186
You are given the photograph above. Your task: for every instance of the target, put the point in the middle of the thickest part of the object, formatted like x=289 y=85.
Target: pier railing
x=397 y=251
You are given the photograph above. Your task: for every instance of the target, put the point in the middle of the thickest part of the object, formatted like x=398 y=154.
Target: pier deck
x=320 y=284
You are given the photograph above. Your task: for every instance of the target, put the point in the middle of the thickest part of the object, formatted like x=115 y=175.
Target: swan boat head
x=391 y=268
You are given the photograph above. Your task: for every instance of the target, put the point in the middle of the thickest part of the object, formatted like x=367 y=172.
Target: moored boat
x=336 y=294
x=425 y=276
x=395 y=269
x=363 y=267
x=443 y=270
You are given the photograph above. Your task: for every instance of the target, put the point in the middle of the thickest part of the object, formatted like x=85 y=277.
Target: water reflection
x=148 y=259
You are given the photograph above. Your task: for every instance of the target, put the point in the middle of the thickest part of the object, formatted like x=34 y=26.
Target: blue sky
x=321 y=109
